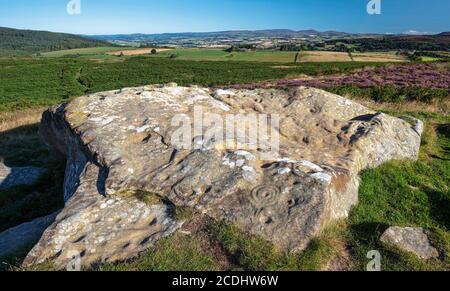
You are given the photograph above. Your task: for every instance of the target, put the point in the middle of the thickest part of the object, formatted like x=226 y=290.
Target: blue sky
x=156 y=16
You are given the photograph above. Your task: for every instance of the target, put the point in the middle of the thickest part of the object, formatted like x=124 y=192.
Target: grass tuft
x=175 y=253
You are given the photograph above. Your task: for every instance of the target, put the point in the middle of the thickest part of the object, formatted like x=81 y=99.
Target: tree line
x=25 y=42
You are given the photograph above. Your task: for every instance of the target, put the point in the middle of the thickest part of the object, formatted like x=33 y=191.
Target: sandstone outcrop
x=128 y=141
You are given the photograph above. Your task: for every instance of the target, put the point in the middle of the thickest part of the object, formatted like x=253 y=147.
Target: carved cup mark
x=265 y=195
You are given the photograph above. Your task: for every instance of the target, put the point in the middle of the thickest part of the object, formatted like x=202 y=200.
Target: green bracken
x=28 y=83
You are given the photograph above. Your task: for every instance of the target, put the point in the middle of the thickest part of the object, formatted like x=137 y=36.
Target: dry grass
x=339 y=258
x=329 y=251
x=12 y=120
x=319 y=56
x=436 y=106
x=378 y=57
x=326 y=56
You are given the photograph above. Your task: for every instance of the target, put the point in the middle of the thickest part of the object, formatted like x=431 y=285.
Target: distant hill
x=438 y=42
x=439 y=39
x=339 y=40
x=25 y=42
x=445 y=34
x=219 y=35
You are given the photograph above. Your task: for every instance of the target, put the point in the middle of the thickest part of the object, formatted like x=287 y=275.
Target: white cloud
x=415 y=32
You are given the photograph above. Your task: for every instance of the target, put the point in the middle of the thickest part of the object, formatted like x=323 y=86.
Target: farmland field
x=28 y=83
x=196 y=54
x=84 y=52
x=135 y=51
x=324 y=56
x=277 y=56
x=221 y=55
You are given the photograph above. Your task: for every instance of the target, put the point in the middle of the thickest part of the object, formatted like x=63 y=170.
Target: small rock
x=414 y=240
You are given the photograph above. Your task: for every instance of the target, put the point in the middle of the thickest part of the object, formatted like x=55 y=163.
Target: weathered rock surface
x=123 y=140
x=414 y=240
x=98 y=230
x=19 y=176
x=19 y=237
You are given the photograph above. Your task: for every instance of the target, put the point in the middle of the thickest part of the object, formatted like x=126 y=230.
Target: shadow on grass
x=444 y=129
x=21 y=147
x=365 y=238
x=439 y=207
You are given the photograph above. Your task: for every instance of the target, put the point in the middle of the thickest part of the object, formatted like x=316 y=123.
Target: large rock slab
x=300 y=174
x=410 y=239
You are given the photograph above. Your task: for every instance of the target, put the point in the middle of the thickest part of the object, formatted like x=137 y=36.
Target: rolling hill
x=438 y=42
x=218 y=35
x=366 y=41
x=15 y=42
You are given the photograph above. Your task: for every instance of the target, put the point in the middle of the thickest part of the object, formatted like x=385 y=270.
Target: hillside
x=15 y=42
x=219 y=35
x=289 y=40
x=438 y=42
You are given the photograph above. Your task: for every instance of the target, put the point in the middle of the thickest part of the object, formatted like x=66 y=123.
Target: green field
x=92 y=52
x=266 y=56
x=28 y=83
x=186 y=54
x=276 y=56
x=429 y=59
x=221 y=55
